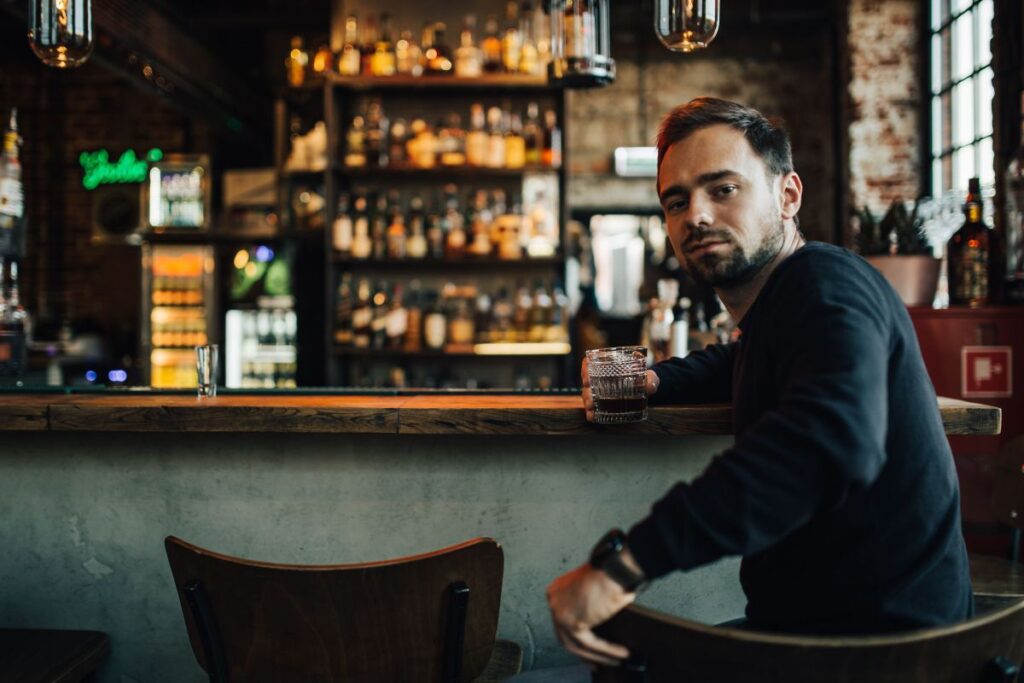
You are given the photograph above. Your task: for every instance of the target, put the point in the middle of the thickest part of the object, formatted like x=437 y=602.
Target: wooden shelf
x=440 y=173
x=467 y=263
x=493 y=81
x=428 y=353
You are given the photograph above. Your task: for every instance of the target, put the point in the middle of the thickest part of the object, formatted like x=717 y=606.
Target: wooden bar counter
x=421 y=414
x=90 y=484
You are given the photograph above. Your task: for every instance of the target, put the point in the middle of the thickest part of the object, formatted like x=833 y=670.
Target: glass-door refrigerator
x=179 y=311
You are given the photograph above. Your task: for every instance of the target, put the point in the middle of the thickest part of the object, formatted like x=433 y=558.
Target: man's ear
x=792 y=190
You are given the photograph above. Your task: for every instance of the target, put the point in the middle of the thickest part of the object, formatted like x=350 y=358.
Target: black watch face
x=609 y=546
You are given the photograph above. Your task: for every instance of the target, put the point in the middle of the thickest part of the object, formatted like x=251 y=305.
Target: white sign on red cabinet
x=986 y=371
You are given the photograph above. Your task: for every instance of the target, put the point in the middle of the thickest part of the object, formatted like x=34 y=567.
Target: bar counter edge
x=419 y=414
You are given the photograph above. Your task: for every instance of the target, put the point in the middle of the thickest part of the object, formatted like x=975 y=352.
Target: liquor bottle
x=679 y=344
x=540 y=314
x=455 y=238
x=413 y=341
x=397 y=320
x=435 y=237
x=368 y=45
x=362 y=244
x=521 y=315
x=350 y=60
x=362 y=316
x=341 y=232
x=1013 y=285
x=482 y=322
x=495 y=139
x=491 y=46
x=379 y=325
x=451 y=142
x=552 y=154
x=416 y=245
x=480 y=227
x=408 y=55
x=476 y=138
x=379 y=227
x=511 y=40
x=461 y=328
x=542 y=36
x=396 y=235
x=969 y=251
x=323 y=60
x=382 y=63
x=533 y=135
x=422 y=145
x=398 y=156
x=436 y=54
x=295 y=64
x=355 y=143
x=515 y=144
x=377 y=130
x=580 y=30
x=558 y=330
x=529 y=62
x=12 y=194
x=469 y=61
x=502 y=329
x=343 y=312
x=435 y=324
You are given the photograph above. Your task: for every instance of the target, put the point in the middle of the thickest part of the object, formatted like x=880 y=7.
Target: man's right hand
x=588 y=399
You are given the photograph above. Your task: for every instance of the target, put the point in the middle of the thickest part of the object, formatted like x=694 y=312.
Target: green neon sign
x=99 y=170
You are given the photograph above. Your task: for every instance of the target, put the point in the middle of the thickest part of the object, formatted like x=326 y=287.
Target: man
x=840 y=491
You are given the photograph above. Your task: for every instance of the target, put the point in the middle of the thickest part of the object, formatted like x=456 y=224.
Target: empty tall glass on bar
x=618 y=384
x=206 y=370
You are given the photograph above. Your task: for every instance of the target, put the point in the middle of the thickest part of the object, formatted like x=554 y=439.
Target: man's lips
x=704 y=247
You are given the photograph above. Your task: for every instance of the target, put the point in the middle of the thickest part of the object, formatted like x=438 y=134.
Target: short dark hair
x=767 y=136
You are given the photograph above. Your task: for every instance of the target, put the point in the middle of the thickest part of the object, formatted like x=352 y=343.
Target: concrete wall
x=84 y=517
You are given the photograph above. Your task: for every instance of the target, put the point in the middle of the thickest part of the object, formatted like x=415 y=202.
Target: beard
x=734 y=267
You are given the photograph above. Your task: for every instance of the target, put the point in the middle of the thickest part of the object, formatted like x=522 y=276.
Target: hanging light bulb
x=580 y=43
x=60 y=31
x=686 y=25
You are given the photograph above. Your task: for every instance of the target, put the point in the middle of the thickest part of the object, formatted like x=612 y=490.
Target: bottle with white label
x=12 y=195
x=342 y=231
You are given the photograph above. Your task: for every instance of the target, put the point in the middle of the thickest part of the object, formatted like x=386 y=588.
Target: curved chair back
x=664 y=648
x=430 y=617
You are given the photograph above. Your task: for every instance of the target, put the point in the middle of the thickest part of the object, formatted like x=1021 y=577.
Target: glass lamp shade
x=60 y=31
x=686 y=25
x=580 y=43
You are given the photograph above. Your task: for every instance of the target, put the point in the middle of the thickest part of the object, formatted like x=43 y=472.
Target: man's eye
x=676 y=206
x=725 y=190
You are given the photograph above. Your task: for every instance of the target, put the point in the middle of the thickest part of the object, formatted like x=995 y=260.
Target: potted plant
x=899 y=248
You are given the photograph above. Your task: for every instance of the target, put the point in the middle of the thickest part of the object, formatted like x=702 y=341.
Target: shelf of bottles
x=177 y=316
x=513 y=53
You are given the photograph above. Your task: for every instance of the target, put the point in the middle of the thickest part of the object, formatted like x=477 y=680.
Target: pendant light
x=580 y=43
x=60 y=31
x=686 y=25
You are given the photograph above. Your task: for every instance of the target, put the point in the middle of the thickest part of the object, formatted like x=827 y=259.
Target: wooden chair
x=47 y=656
x=995 y=578
x=664 y=648
x=429 y=617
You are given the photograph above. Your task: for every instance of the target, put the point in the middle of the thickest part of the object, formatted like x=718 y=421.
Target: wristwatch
x=607 y=556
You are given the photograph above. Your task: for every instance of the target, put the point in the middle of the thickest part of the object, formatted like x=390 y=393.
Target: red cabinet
x=944 y=335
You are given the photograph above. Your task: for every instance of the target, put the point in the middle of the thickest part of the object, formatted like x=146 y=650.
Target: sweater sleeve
x=824 y=438
x=702 y=377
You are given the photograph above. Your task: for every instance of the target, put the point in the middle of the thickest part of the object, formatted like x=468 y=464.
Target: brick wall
x=63 y=114
x=791 y=86
x=884 y=102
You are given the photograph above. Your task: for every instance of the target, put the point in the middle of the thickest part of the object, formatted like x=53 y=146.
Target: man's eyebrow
x=702 y=179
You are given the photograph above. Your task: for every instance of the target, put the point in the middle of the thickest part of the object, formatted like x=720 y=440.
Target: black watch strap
x=607 y=556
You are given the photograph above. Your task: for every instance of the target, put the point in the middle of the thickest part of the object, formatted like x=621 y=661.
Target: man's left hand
x=579 y=601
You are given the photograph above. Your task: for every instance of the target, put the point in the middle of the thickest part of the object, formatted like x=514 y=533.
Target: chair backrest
x=665 y=648
x=430 y=617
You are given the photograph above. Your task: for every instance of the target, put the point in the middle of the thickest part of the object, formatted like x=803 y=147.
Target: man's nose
x=698 y=212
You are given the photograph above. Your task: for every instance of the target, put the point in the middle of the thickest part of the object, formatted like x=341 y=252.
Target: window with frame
x=962 y=92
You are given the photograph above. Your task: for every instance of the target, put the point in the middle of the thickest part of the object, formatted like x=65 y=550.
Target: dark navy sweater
x=840 y=491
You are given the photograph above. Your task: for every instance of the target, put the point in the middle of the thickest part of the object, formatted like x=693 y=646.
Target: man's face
x=721 y=209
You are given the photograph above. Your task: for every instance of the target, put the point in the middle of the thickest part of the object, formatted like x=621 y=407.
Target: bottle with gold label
x=349 y=61
x=296 y=63
x=491 y=46
x=476 y=138
x=511 y=40
x=969 y=251
x=515 y=144
x=382 y=63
